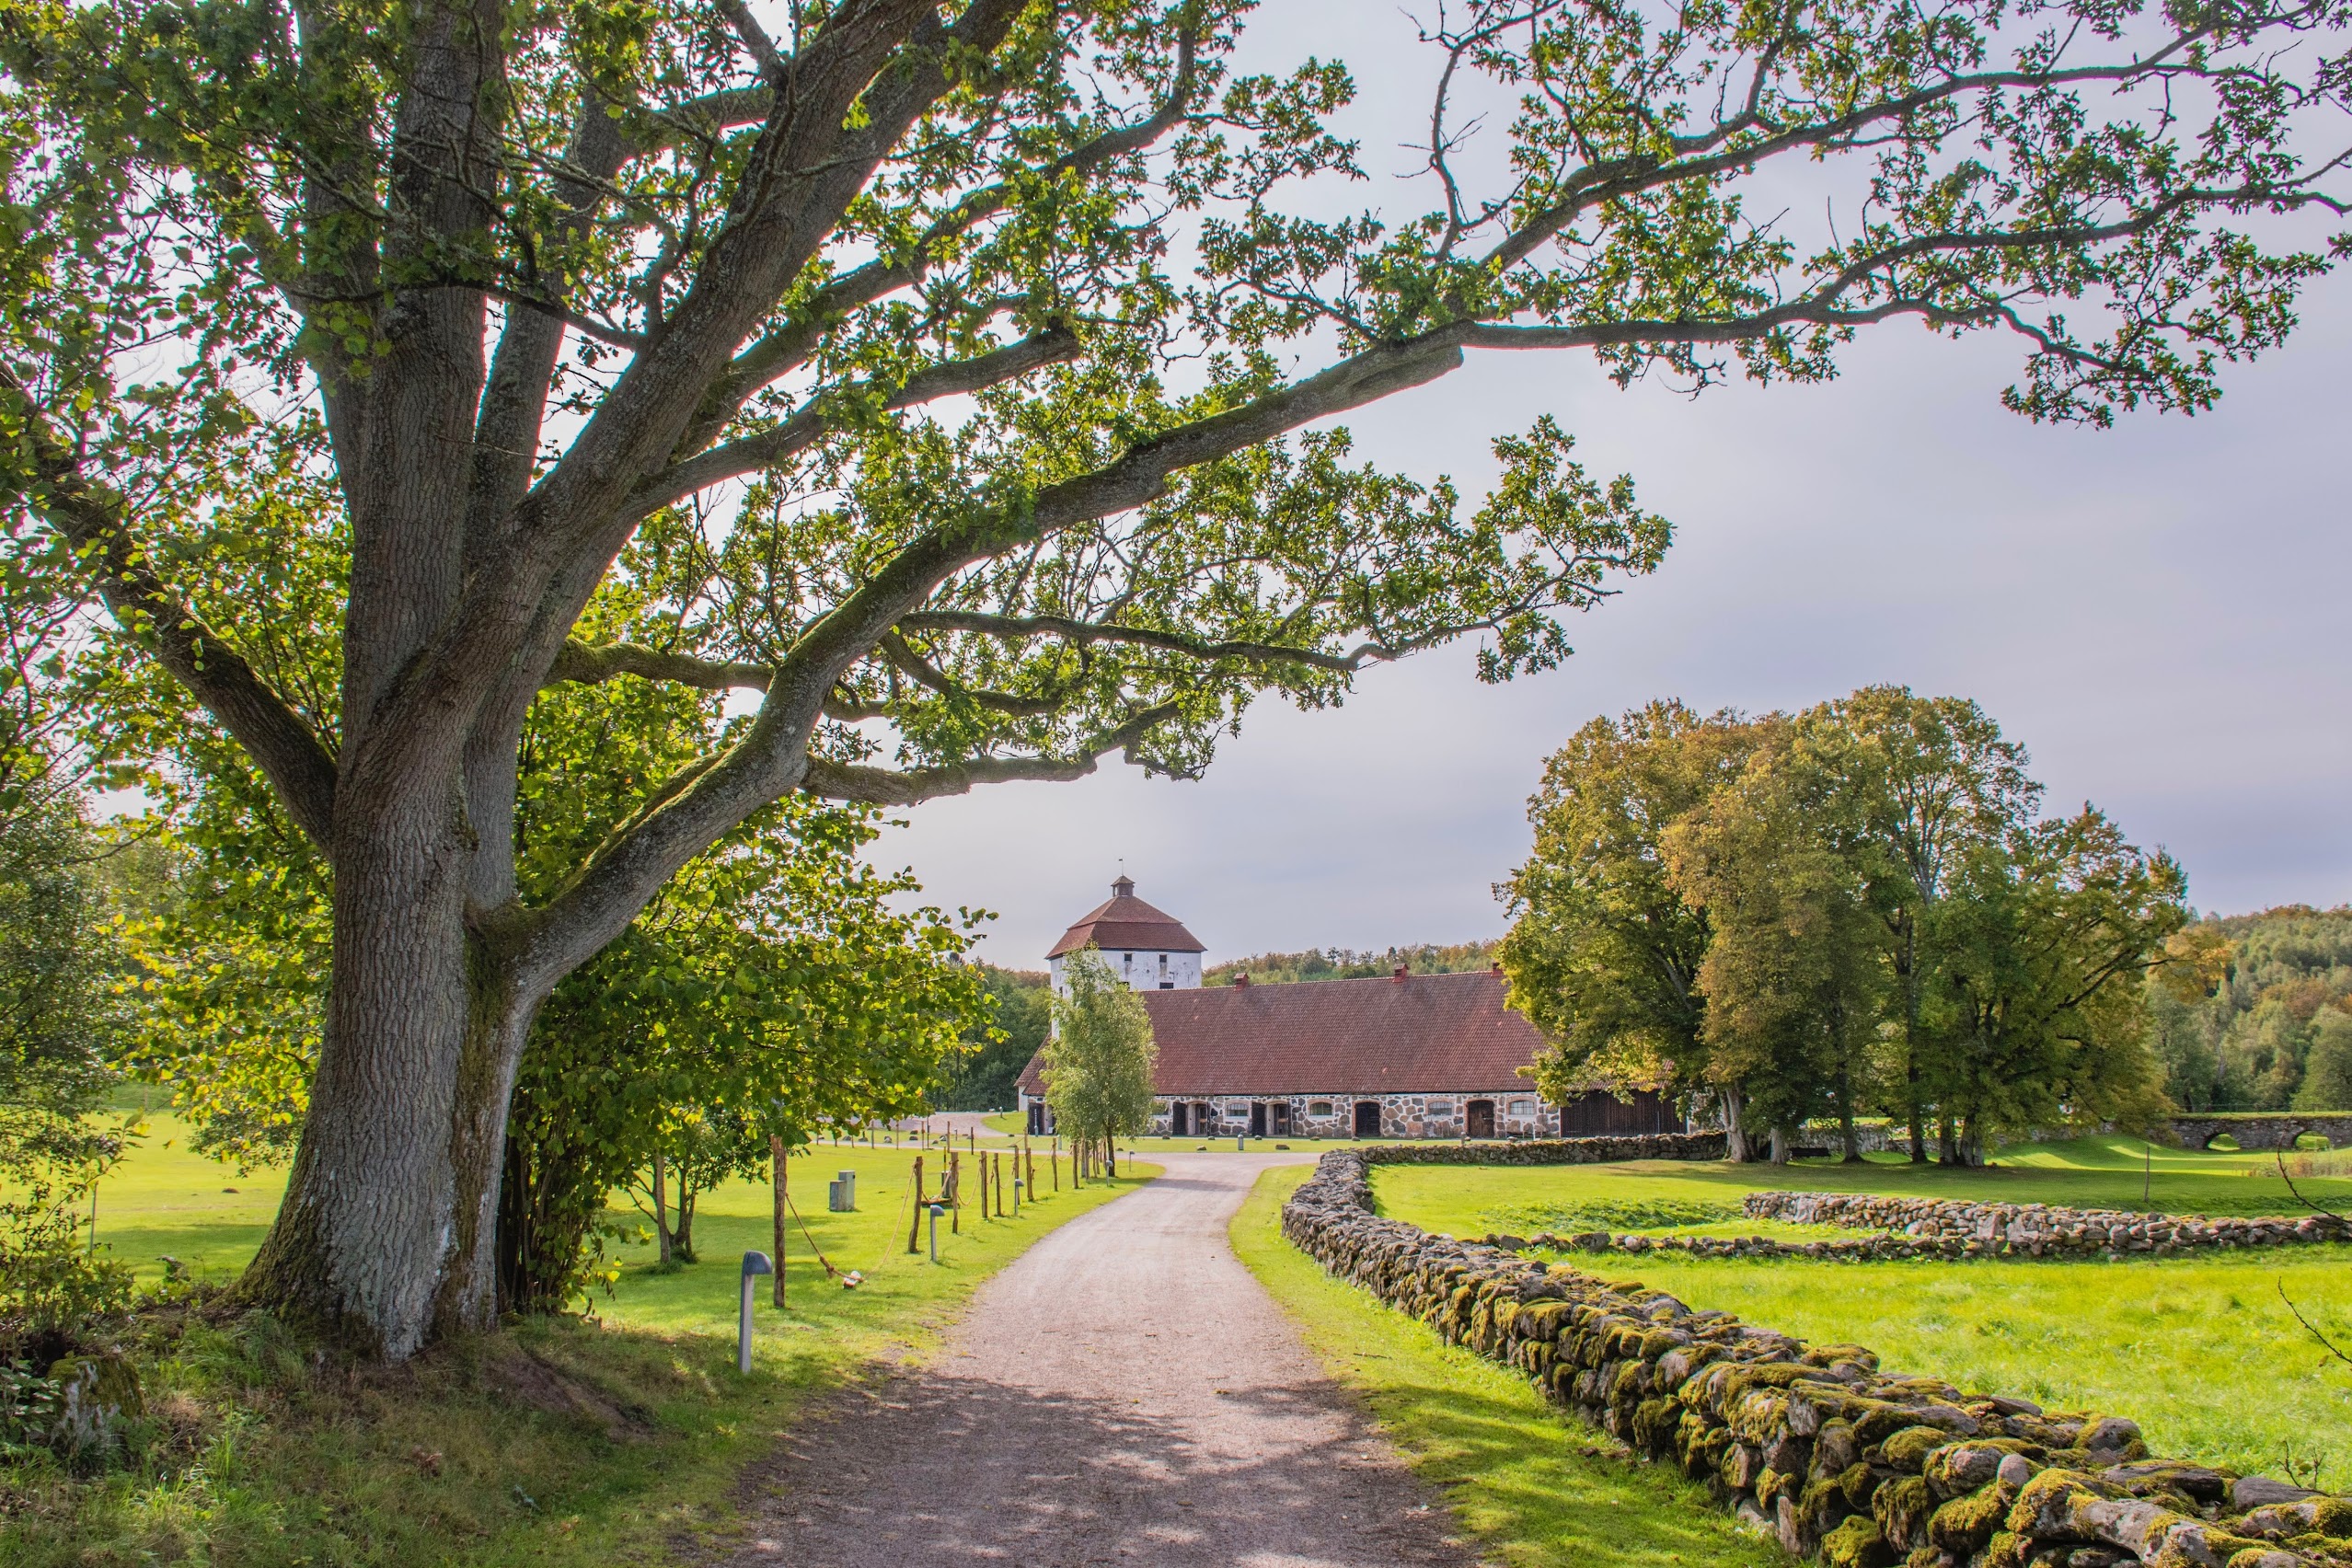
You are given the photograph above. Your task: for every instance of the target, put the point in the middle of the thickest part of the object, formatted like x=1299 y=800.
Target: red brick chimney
x=1241 y=981
x=1398 y=974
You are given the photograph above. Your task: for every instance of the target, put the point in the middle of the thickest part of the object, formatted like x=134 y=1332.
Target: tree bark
x=660 y=1209
x=386 y=1232
x=1907 y=964
x=1735 y=1147
x=779 y=1153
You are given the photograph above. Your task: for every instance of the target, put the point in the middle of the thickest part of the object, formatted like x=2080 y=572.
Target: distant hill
x=2276 y=1032
x=1346 y=963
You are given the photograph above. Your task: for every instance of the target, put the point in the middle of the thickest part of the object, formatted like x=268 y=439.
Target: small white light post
x=935 y=1233
x=1016 y=1197
x=755 y=1266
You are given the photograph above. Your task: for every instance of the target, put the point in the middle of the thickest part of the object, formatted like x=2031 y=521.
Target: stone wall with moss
x=2038 y=1230
x=1833 y=1457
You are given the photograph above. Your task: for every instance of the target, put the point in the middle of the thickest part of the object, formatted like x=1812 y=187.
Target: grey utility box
x=841 y=1192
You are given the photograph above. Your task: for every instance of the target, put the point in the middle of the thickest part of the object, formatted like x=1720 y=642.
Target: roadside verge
x=1532 y=1489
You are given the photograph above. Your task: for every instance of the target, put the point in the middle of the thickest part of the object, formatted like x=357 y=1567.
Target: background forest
x=1346 y=963
x=2276 y=1033
x=1019 y=1006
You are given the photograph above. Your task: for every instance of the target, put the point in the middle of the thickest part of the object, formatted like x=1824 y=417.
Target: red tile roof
x=1126 y=922
x=1428 y=1033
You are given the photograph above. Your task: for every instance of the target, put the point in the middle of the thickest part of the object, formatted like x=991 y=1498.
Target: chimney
x=1241 y=981
x=1496 y=968
x=1399 y=974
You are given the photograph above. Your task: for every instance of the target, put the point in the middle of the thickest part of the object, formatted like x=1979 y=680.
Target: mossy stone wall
x=1814 y=1442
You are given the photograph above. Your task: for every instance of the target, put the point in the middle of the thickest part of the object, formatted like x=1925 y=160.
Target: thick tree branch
x=912 y=664
x=887 y=787
x=778 y=352
x=806 y=426
x=809 y=164
x=289 y=753
x=590 y=663
x=1081 y=633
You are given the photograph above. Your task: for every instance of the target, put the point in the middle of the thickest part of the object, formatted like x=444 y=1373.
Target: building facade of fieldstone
x=1392 y=1057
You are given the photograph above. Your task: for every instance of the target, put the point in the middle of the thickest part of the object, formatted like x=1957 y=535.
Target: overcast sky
x=2159 y=612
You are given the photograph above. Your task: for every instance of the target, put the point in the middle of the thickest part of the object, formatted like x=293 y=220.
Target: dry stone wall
x=1832 y=1456
x=2036 y=1229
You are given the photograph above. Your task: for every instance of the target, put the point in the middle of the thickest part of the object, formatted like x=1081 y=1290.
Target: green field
x=2096 y=1172
x=615 y=1438
x=2200 y=1350
x=1535 y=1491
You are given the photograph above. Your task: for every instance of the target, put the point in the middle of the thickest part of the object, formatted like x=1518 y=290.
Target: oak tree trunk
x=386 y=1235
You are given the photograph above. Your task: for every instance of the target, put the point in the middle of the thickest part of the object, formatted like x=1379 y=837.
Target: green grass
x=2200 y=1350
x=1535 y=1490
x=615 y=1439
x=2097 y=1172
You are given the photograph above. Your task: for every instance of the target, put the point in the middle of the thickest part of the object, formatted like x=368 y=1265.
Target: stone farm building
x=1398 y=1055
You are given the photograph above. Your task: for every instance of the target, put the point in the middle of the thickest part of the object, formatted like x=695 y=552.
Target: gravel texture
x=1124 y=1392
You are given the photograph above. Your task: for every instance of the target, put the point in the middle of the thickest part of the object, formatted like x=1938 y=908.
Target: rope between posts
x=830 y=1272
x=891 y=1239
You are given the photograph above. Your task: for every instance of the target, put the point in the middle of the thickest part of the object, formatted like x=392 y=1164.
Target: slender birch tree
x=1099 y=1060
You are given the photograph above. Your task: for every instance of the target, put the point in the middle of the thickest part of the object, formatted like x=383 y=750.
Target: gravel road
x=1125 y=1392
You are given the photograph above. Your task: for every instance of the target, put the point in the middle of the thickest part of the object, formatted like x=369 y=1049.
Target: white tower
x=1147 y=948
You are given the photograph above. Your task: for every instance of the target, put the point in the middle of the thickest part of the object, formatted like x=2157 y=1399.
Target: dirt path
x=1124 y=1392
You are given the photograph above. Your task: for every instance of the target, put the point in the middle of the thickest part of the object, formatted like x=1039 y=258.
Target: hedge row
x=1815 y=1442
x=2037 y=1229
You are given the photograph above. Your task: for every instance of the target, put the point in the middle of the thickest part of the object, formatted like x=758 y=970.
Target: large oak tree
x=974 y=345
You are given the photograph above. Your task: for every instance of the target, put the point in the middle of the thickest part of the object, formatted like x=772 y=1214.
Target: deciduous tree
x=1922 y=781
x=1604 y=952
x=974 y=341
x=1796 y=964
x=2049 y=937
x=1100 y=1058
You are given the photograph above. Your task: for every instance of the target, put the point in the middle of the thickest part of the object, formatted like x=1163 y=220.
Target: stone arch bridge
x=2267 y=1131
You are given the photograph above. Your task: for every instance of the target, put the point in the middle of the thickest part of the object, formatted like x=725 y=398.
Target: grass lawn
x=2097 y=1172
x=2200 y=1350
x=1534 y=1488
x=617 y=1439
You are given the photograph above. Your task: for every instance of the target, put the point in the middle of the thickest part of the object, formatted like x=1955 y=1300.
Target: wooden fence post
x=779 y=1154
x=915 y=1226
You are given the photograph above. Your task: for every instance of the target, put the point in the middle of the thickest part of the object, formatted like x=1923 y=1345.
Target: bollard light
x=1241 y=1143
x=755 y=1266
x=1016 y=1197
x=935 y=1233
